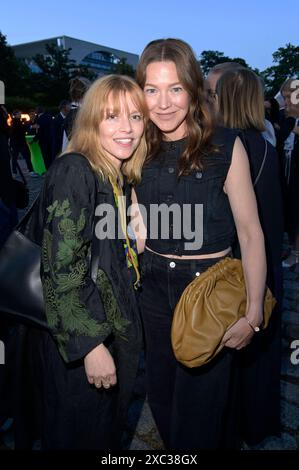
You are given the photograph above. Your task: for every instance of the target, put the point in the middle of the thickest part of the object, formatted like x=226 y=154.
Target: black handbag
x=21 y=293
x=22 y=194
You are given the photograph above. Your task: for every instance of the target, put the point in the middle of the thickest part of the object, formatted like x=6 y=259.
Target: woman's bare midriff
x=210 y=255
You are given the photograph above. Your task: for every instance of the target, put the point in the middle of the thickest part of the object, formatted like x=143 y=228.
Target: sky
x=253 y=29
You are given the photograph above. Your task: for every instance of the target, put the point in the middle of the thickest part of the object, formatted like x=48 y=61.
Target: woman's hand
x=100 y=368
x=239 y=335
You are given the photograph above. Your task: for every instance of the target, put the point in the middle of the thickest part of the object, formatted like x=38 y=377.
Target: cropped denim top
x=189 y=215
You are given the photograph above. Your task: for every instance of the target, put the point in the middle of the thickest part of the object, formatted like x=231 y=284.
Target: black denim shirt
x=186 y=197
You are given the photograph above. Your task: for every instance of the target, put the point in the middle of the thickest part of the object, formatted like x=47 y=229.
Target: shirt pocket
x=205 y=189
x=148 y=179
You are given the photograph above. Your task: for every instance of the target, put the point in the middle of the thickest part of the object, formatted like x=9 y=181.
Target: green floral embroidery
x=66 y=250
x=51 y=302
x=59 y=210
x=79 y=321
x=46 y=250
x=118 y=323
x=81 y=222
x=65 y=312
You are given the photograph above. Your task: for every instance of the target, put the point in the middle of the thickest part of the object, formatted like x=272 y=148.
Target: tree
x=12 y=70
x=56 y=65
x=122 y=68
x=56 y=69
x=287 y=65
x=209 y=59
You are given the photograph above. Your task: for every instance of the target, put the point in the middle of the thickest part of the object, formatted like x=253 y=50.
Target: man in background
x=58 y=127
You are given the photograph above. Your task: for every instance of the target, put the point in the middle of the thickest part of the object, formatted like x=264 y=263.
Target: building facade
x=100 y=59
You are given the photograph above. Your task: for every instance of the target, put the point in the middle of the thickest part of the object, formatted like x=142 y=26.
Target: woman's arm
x=137 y=223
x=73 y=304
x=238 y=186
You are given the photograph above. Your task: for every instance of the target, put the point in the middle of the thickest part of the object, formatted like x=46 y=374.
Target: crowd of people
x=173 y=138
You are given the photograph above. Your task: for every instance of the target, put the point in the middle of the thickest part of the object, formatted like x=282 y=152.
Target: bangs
x=115 y=100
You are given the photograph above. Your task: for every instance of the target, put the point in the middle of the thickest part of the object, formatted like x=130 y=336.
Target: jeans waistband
x=184 y=264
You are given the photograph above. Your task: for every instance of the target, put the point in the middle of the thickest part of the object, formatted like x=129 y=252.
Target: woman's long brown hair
x=199 y=120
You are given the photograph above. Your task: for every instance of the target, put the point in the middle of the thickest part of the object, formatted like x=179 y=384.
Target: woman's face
x=120 y=133
x=167 y=100
x=291 y=105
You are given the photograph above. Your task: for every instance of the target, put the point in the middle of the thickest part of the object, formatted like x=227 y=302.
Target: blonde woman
x=86 y=367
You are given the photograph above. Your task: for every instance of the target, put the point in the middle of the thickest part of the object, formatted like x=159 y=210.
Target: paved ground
x=142 y=432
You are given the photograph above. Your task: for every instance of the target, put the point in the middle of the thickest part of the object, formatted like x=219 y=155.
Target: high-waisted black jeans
x=193 y=408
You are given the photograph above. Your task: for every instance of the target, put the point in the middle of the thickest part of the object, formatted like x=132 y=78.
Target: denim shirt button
x=170 y=170
x=198 y=174
x=169 y=198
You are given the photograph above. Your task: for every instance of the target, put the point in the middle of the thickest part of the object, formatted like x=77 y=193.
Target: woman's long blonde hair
x=85 y=134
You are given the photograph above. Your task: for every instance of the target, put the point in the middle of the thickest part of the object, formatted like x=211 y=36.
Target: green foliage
x=56 y=70
x=122 y=68
x=56 y=65
x=209 y=59
x=12 y=70
x=286 y=60
x=20 y=102
x=51 y=84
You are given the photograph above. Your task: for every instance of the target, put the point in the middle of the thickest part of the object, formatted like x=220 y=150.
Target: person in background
x=240 y=105
x=78 y=87
x=18 y=143
x=8 y=220
x=8 y=209
x=288 y=148
x=272 y=113
x=43 y=135
x=213 y=77
x=211 y=81
x=58 y=126
x=191 y=162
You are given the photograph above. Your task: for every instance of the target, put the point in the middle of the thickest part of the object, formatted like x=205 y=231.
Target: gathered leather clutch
x=209 y=305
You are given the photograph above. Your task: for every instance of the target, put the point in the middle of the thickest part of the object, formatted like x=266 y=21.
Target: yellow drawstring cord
x=120 y=203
